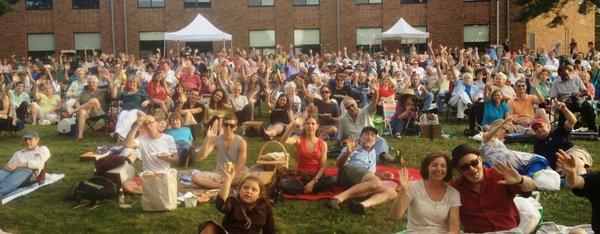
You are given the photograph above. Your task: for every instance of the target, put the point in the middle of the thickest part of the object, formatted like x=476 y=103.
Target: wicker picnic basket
x=273 y=160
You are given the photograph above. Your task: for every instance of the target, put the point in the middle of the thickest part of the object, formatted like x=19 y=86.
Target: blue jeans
x=427 y=100
x=11 y=181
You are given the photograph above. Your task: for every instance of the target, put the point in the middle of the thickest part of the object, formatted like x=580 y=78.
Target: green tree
x=534 y=8
x=6 y=6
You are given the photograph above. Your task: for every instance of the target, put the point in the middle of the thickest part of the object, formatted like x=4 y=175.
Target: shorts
x=351 y=175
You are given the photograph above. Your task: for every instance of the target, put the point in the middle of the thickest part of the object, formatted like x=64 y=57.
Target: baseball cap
x=369 y=129
x=537 y=121
x=30 y=134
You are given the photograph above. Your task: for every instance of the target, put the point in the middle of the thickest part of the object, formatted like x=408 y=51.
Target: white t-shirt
x=353 y=128
x=239 y=102
x=149 y=148
x=427 y=216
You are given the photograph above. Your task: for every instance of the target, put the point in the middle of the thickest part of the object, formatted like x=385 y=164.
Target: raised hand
x=403 y=180
x=228 y=172
x=567 y=162
x=211 y=133
x=511 y=176
x=350 y=144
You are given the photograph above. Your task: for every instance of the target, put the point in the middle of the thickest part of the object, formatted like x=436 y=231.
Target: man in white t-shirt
x=156 y=151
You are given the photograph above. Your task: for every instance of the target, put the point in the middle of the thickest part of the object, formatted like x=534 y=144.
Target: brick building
x=40 y=27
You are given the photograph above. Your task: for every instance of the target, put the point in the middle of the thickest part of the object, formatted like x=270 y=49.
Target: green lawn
x=45 y=211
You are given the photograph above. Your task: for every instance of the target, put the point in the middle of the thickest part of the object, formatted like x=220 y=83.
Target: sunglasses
x=473 y=163
x=536 y=127
x=229 y=125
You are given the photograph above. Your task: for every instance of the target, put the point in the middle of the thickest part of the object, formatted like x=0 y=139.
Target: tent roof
x=403 y=30
x=198 y=30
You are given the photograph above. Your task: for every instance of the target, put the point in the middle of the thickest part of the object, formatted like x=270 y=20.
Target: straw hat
x=407 y=92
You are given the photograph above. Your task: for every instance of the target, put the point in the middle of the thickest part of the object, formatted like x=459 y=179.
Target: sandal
x=356 y=207
x=333 y=203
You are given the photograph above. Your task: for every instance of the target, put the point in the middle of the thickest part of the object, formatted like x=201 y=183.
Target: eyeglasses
x=473 y=163
x=229 y=125
x=521 y=85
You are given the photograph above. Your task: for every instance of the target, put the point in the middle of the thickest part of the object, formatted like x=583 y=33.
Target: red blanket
x=413 y=173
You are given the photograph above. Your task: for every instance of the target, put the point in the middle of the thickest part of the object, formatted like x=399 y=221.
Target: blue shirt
x=133 y=101
x=491 y=112
x=362 y=158
x=180 y=134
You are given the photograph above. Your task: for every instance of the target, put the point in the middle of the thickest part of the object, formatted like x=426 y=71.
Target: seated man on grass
x=156 y=150
x=549 y=141
x=24 y=165
x=90 y=103
x=357 y=166
x=230 y=148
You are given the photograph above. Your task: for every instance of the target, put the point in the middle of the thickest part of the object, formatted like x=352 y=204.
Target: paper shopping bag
x=159 y=190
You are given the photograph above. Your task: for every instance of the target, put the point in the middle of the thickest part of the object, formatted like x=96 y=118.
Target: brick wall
x=444 y=19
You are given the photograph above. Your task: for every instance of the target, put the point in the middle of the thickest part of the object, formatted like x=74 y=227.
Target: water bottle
x=121 y=196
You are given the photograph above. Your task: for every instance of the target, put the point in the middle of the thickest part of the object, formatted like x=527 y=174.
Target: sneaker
x=356 y=207
x=333 y=203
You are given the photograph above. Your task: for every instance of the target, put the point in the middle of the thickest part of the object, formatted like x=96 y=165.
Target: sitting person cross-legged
x=90 y=103
x=24 y=165
x=156 y=150
x=328 y=109
x=357 y=174
x=230 y=148
x=433 y=205
x=311 y=156
x=487 y=194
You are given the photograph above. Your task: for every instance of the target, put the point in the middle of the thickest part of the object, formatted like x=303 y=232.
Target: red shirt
x=154 y=90
x=189 y=81
x=309 y=161
x=493 y=208
x=386 y=91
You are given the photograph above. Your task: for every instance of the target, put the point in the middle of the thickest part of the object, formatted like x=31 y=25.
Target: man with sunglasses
x=487 y=194
x=230 y=147
x=24 y=165
x=548 y=141
x=328 y=110
x=522 y=106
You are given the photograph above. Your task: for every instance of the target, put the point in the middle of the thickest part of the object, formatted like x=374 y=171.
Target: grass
x=45 y=211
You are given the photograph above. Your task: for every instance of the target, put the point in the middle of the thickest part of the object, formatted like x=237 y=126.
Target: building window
x=87 y=41
x=149 y=42
x=86 y=4
x=476 y=36
x=368 y=1
x=196 y=3
x=414 y=1
x=307 y=39
x=151 y=3
x=263 y=40
x=261 y=2
x=40 y=45
x=38 y=5
x=306 y=2
x=366 y=37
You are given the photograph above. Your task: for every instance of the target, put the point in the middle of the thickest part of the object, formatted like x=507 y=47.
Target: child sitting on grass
x=183 y=139
x=246 y=211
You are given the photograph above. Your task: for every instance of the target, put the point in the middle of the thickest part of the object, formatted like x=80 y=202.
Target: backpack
x=95 y=189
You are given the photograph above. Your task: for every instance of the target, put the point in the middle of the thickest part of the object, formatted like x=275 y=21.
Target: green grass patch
x=45 y=211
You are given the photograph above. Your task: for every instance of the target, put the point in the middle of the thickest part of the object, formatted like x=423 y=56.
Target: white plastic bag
x=529 y=213
x=547 y=180
x=159 y=190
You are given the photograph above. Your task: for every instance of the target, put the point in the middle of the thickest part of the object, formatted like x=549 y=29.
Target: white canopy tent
x=402 y=30
x=198 y=30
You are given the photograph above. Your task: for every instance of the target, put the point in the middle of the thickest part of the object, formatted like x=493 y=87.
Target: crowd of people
x=319 y=101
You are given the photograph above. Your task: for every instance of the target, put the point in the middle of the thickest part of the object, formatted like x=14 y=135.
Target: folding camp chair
x=389 y=108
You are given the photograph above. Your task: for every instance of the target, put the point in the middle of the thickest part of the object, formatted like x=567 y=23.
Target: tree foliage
x=6 y=6
x=552 y=8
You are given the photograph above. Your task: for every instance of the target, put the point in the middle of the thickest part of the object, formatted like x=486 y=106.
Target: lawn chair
x=389 y=108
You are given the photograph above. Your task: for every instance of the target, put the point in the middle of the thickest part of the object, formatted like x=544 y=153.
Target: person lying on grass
x=494 y=151
x=487 y=195
x=24 y=164
x=357 y=174
x=311 y=158
x=247 y=210
x=433 y=205
x=156 y=150
x=582 y=184
x=230 y=147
